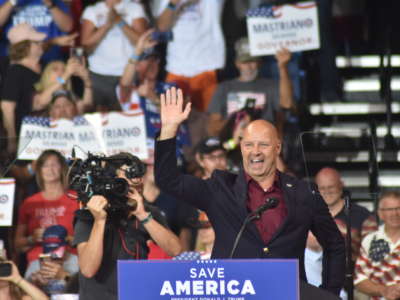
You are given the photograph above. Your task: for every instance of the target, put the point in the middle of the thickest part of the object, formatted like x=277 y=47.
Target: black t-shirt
x=358 y=216
x=133 y=246
x=231 y=96
x=18 y=87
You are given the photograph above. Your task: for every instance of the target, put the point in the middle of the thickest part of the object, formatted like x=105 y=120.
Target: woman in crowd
x=53 y=205
x=26 y=50
x=15 y=287
x=109 y=31
x=57 y=76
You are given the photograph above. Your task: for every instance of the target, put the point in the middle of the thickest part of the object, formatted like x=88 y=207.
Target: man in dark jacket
x=227 y=198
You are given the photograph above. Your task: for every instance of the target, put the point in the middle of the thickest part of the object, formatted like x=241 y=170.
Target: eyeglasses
x=390 y=209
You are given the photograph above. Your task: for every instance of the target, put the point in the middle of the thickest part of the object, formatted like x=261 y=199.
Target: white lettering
x=182 y=287
x=193 y=273
x=167 y=289
x=198 y=287
x=231 y=289
x=248 y=288
x=211 y=287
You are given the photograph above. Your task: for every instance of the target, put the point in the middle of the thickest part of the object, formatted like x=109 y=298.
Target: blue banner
x=259 y=279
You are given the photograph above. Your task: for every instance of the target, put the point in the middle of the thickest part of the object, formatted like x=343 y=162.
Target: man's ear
x=279 y=147
x=199 y=160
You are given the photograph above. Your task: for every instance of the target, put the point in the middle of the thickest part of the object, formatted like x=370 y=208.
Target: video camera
x=97 y=176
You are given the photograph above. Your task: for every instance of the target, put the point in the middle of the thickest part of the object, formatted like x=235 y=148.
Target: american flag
x=378 y=261
x=48 y=122
x=188 y=255
x=266 y=11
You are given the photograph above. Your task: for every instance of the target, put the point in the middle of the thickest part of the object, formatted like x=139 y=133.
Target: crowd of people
x=220 y=145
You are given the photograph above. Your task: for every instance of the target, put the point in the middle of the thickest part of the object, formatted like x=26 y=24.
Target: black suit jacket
x=223 y=197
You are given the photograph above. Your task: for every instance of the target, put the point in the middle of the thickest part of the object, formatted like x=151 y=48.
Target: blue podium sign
x=258 y=279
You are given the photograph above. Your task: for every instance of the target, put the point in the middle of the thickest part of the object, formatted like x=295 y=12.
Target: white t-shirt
x=114 y=50
x=198 y=42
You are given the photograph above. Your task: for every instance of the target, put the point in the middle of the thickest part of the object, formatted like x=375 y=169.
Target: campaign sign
x=108 y=134
x=125 y=132
x=291 y=26
x=7 y=189
x=258 y=279
x=62 y=135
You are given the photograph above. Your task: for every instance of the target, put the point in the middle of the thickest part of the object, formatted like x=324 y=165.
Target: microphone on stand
x=349 y=260
x=254 y=215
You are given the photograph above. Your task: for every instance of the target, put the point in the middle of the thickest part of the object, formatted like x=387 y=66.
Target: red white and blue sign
x=259 y=279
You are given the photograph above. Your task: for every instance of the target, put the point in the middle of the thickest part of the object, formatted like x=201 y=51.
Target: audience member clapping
x=53 y=205
x=110 y=29
x=140 y=89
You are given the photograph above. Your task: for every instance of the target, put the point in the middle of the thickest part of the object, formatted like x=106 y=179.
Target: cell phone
x=44 y=257
x=162 y=36
x=48 y=257
x=250 y=103
x=76 y=52
x=5 y=269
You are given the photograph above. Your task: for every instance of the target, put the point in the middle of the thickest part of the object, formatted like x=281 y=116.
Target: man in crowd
x=376 y=272
x=102 y=238
x=197 y=49
x=330 y=185
x=268 y=94
x=227 y=198
x=211 y=155
x=50 y=17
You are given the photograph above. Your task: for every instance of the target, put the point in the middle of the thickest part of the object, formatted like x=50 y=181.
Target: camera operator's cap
x=209 y=145
x=24 y=32
x=55 y=240
x=242 y=49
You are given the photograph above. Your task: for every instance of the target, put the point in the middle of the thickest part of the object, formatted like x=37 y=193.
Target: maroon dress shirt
x=271 y=219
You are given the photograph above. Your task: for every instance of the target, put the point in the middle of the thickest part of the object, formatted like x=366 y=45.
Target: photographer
x=104 y=235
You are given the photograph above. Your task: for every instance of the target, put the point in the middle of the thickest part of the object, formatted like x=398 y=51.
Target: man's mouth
x=256 y=162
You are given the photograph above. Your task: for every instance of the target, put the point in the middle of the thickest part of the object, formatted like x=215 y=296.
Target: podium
x=253 y=279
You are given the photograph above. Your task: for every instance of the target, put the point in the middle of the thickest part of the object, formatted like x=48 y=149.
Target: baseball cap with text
x=242 y=49
x=55 y=240
x=209 y=145
x=24 y=32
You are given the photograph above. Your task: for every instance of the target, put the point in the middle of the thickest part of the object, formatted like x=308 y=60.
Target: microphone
x=269 y=204
x=254 y=215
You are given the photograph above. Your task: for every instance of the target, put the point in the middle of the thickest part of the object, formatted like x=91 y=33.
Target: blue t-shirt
x=36 y=14
x=153 y=119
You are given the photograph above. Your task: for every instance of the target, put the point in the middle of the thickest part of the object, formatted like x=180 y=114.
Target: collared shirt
x=378 y=260
x=271 y=219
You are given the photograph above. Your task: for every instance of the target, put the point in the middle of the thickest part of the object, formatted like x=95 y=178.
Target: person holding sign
x=267 y=94
x=228 y=199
